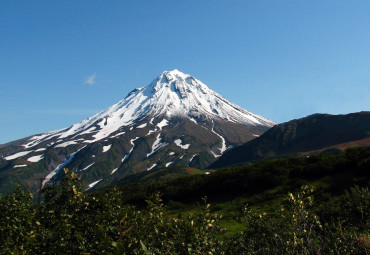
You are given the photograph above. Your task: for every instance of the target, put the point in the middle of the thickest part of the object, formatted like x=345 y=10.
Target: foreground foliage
x=69 y=221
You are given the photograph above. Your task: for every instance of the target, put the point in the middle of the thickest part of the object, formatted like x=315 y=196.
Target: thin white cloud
x=90 y=79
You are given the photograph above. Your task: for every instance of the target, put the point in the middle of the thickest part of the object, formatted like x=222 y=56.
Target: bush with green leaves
x=153 y=231
x=297 y=229
x=69 y=221
x=18 y=224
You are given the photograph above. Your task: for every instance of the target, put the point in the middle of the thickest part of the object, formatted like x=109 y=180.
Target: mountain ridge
x=308 y=134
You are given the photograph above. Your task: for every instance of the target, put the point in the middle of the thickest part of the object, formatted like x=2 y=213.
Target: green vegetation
x=265 y=208
x=162 y=174
x=264 y=180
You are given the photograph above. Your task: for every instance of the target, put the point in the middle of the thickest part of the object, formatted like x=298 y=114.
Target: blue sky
x=63 y=61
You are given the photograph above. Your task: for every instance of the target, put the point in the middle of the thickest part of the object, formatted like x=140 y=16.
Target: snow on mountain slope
x=173 y=93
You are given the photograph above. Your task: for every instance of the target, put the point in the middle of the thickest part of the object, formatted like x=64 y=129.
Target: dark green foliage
x=162 y=174
x=69 y=221
x=297 y=229
x=18 y=225
x=333 y=172
x=72 y=222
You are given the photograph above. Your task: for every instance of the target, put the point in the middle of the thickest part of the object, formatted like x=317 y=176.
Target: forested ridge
x=300 y=205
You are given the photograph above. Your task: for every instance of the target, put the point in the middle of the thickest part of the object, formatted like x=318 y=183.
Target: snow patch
x=223 y=145
x=41 y=149
x=114 y=170
x=156 y=145
x=132 y=148
x=150 y=131
x=18 y=166
x=178 y=142
x=215 y=155
x=171 y=153
x=88 y=166
x=65 y=144
x=142 y=125
x=60 y=167
x=150 y=168
x=168 y=164
x=37 y=139
x=162 y=124
x=93 y=184
x=193 y=120
x=35 y=159
x=191 y=159
x=17 y=155
x=106 y=148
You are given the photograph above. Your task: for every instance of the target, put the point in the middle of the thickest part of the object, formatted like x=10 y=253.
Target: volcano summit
x=174 y=121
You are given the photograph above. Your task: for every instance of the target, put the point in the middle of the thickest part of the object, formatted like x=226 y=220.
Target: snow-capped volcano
x=173 y=93
x=175 y=112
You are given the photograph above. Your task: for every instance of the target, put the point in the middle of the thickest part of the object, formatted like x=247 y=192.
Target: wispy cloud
x=90 y=80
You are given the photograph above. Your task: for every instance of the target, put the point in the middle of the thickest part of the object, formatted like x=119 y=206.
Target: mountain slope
x=313 y=133
x=174 y=121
